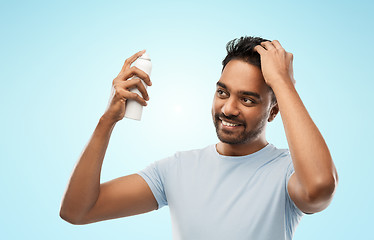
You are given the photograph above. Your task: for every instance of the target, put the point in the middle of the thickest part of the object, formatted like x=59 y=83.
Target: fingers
x=130 y=60
x=259 y=49
x=123 y=90
x=131 y=95
x=136 y=82
x=277 y=44
x=267 y=45
x=134 y=71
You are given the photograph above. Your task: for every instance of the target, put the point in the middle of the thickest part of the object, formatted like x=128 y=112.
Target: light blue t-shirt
x=211 y=196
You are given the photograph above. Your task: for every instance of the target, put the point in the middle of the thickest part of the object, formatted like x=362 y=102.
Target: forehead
x=242 y=76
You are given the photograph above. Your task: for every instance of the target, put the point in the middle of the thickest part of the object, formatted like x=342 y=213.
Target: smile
x=229 y=124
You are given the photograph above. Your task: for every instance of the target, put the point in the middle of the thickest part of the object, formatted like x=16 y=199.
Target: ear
x=273 y=112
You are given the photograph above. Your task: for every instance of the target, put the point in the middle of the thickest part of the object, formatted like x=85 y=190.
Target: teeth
x=229 y=124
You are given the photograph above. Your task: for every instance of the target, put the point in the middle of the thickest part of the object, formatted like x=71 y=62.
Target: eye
x=248 y=101
x=221 y=93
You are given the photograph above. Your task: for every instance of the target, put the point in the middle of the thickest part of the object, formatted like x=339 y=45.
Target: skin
x=86 y=200
x=314 y=182
x=311 y=187
x=253 y=111
x=243 y=97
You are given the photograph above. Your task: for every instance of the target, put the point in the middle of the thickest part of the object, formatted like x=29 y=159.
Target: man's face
x=241 y=104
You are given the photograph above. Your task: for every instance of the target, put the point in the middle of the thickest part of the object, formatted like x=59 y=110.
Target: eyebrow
x=249 y=93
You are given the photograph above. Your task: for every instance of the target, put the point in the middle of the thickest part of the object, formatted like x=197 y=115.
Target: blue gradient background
x=58 y=60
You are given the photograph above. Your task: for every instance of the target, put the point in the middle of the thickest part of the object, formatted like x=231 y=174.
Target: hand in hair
x=276 y=63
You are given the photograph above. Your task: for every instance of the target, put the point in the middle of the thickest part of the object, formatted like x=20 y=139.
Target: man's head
x=243 y=102
x=242 y=49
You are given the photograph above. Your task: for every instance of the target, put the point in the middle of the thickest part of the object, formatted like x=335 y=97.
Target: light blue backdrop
x=57 y=63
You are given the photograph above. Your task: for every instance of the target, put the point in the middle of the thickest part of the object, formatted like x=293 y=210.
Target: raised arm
x=313 y=185
x=86 y=200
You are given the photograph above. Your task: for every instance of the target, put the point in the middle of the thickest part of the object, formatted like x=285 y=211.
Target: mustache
x=231 y=117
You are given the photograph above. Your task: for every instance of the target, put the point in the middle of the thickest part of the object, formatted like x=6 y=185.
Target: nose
x=230 y=108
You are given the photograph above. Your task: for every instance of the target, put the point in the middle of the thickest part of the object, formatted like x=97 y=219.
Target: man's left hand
x=276 y=63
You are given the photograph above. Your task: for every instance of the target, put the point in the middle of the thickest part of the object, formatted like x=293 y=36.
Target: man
x=240 y=188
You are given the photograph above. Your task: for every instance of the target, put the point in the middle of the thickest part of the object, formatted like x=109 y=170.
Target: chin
x=233 y=140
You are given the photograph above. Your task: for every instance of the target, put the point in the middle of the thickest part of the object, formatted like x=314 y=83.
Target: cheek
x=255 y=116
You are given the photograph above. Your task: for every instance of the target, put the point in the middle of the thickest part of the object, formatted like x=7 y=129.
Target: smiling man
x=242 y=106
x=240 y=188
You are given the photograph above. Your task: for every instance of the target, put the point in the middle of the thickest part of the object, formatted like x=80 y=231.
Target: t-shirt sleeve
x=290 y=205
x=154 y=177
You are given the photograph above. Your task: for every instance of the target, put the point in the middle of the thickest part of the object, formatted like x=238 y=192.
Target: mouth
x=230 y=124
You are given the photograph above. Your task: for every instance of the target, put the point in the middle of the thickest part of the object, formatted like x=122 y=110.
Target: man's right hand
x=121 y=87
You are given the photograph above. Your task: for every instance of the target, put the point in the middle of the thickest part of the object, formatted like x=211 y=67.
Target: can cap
x=145 y=56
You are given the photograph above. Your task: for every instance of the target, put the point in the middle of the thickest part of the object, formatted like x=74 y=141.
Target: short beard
x=244 y=137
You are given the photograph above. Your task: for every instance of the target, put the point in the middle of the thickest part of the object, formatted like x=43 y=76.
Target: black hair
x=243 y=49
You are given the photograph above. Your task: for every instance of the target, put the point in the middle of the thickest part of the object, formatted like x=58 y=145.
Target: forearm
x=84 y=185
x=310 y=155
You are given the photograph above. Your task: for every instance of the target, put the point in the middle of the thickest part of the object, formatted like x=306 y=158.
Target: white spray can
x=133 y=108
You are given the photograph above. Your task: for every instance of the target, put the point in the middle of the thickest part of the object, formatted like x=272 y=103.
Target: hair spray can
x=133 y=108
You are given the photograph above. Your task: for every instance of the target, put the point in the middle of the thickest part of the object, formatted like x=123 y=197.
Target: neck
x=240 y=149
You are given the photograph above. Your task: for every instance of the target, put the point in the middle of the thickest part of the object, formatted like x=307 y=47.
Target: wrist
x=281 y=83
x=105 y=120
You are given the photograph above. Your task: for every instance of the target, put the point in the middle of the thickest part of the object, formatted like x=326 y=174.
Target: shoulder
x=186 y=155
x=281 y=155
